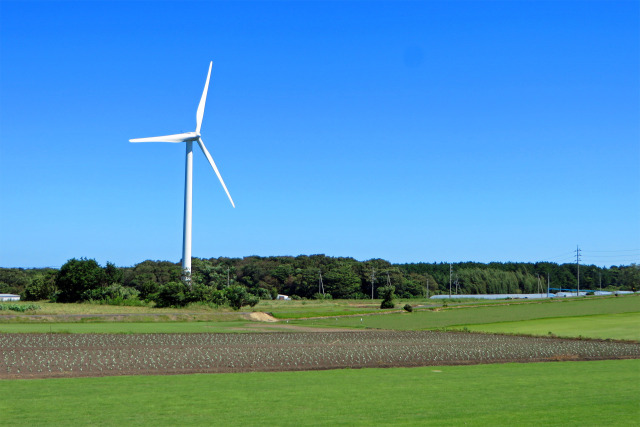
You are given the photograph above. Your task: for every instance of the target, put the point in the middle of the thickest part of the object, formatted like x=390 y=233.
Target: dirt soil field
x=74 y=355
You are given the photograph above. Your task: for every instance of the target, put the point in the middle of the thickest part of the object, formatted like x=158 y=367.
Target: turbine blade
x=213 y=165
x=179 y=137
x=203 y=101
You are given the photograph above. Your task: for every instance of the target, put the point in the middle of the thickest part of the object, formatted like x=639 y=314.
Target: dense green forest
x=242 y=281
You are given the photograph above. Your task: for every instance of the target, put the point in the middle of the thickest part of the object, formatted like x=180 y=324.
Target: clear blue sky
x=409 y=131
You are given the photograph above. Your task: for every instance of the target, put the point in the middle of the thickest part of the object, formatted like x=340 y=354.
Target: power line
x=619 y=250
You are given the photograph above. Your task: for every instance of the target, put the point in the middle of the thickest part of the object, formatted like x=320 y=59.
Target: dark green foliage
x=158 y=272
x=15 y=280
x=408 y=307
x=237 y=296
x=147 y=290
x=387 y=295
x=113 y=273
x=42 y=287
x=207 y=294
x=298 y=277
x=78 y=276
x=172 y=294
x=115 y=294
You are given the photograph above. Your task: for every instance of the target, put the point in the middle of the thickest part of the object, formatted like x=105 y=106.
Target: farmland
x=54 y=355
x=122 y=371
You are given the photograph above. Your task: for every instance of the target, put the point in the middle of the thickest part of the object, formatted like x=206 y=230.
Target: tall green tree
x=77 y=276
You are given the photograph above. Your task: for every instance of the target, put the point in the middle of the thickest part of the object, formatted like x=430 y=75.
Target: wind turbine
x=189 y=138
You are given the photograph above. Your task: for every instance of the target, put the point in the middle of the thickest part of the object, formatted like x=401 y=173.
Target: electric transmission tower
x=578 y=264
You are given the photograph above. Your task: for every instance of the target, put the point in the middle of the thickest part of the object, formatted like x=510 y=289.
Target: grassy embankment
x=566 y=393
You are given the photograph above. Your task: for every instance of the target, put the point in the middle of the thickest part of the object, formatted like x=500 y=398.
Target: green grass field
x=472 y=315
x=616 y=318
x=623 y=326
x=561 y=393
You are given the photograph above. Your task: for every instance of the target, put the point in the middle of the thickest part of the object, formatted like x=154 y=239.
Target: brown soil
x=92 y=355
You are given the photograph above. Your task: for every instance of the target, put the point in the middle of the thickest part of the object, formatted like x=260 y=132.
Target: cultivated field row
x=72 y=355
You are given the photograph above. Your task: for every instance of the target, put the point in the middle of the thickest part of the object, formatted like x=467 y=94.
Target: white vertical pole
x=186 y=236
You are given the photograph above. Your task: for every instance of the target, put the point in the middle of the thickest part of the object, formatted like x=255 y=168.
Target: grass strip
x=554 y=394
x=622 y=326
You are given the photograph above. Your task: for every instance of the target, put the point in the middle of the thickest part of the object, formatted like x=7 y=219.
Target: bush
x=116 y=294
x=263 y=293
x=206 y=294
x=237 y=296
x=387 y=295
x=41 y=288
x=320 y=296
x=19 y=307
x=407 y=307
x=147 y=290
x=172 y=294
x=387 y=304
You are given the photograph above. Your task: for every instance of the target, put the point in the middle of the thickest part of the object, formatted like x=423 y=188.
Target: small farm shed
x=283 y=297
x=9 y=297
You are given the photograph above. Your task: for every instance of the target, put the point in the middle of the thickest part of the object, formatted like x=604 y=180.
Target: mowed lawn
x=559 y=393
x=624 y=326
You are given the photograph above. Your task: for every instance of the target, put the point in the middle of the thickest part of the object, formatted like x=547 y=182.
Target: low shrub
x=237 y=296
x=115 y=294
x=19 y=307
x=407 y=307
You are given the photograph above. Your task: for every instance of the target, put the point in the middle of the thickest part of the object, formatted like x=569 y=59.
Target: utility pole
x=320 y=283
x=578 y=264
x=427 y=288
x=548 y=283
x=450 y=272
x=600 y=274
x=228 y=277
x=373 y=280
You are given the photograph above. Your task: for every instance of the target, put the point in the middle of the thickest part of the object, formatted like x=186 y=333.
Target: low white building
x=9 y=297
x=283 y=297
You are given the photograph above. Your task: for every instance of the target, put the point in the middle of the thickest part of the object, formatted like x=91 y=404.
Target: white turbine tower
x=189 y=137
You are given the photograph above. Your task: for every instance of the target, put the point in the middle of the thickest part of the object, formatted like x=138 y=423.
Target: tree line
x=243 y=281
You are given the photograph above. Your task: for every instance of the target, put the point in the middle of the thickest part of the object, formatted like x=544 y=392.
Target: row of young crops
x=51 y=355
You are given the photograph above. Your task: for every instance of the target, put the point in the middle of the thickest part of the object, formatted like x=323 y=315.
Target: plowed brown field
x=73 y=355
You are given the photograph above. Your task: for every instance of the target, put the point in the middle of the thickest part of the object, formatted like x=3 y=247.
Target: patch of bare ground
x=81 y=355
x=261 y=317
